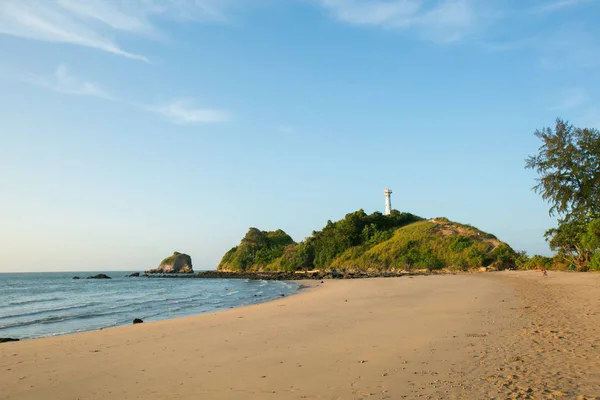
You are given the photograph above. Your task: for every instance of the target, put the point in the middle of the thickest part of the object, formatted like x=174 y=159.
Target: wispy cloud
x=285 y=129
x=577 y=103
x=394 y=14
x=95 y=23
x=184 y=112
x=569 y=46
x=442 y=21
x=181 y=111
x=571 y=98
x=558 y=5
x=63 y=82
x=49 y=21
x=591 y=117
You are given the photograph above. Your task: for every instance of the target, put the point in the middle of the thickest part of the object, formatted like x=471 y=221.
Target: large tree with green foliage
x=568 y=164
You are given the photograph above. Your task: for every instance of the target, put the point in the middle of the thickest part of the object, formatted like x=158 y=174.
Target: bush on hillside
x=258 y=248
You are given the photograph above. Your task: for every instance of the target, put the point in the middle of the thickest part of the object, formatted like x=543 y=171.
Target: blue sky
x=131 y=129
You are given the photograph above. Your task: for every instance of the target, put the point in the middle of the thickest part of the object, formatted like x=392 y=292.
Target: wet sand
x=473 y=336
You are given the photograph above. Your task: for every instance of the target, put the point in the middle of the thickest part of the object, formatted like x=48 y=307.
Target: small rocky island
x=178 y=263
x=99 y=276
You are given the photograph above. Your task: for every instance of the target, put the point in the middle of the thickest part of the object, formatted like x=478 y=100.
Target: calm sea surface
x=47 y=304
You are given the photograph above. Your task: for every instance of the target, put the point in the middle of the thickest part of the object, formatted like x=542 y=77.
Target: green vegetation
x=400 y=241
x=257 y=249
x=171 y=259
x=568 y=163
x=535 y=262
x=433 y=244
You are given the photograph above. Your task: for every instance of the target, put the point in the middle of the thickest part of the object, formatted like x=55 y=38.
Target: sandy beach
x=473 y=336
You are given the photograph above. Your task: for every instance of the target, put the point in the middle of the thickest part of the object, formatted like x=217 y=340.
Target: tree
x=568 y=163
x=567 y=240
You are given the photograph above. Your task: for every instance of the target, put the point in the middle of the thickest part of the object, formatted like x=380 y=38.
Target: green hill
x=257 y=249
x=433 y=244
x=400 y=241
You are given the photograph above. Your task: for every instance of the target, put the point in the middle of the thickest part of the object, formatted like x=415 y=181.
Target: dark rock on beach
x=137 y=321
x=7 y=339
x=178 y=263
x=99 y=276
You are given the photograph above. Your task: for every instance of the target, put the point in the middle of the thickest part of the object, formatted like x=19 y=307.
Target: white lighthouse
x=388 y=201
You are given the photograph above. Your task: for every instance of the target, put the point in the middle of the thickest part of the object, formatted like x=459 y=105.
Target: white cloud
x=119 y=16
x=63 y=82
x=48 y=21
x=181 y=112
x=444 y=21
x=95 y=23
x=394 y=14
x=184 y=112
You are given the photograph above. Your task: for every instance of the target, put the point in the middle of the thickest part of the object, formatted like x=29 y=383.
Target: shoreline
x=76 y=324
x=303 y=286
x=503 y=335
x=297 y=276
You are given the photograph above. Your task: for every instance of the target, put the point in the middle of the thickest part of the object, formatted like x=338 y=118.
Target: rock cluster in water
x=99 y=276
x=178 y=263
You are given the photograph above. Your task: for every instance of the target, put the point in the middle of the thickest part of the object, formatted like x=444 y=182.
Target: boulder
x=7 y=339
x=76 y=277
x=178 y=263
x=137 y=321
x=99 y=276
x=134 y=275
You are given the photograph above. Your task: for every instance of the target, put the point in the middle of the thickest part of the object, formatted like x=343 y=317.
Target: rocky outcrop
x=178 y=263
x=76 y=277
x=134 y=275
x=99 y=276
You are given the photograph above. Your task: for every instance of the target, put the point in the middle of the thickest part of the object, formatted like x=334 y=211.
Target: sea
x=34 y=305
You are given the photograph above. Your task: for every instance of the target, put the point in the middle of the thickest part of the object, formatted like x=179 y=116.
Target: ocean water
x=46 y=304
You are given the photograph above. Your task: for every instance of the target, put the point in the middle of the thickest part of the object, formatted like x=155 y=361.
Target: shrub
x=595 y=262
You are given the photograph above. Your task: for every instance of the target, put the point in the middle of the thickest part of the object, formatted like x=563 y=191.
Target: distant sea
x=36 y=305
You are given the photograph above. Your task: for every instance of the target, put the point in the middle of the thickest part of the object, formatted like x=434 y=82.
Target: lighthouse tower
x=388 y=201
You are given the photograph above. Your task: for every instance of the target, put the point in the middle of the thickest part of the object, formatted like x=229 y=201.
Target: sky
x=131 y=129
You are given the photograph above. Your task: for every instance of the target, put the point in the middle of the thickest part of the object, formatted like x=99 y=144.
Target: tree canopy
x=568 y=164
x=256 y=249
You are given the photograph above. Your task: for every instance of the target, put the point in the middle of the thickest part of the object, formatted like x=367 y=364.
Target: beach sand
x=473 y=336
